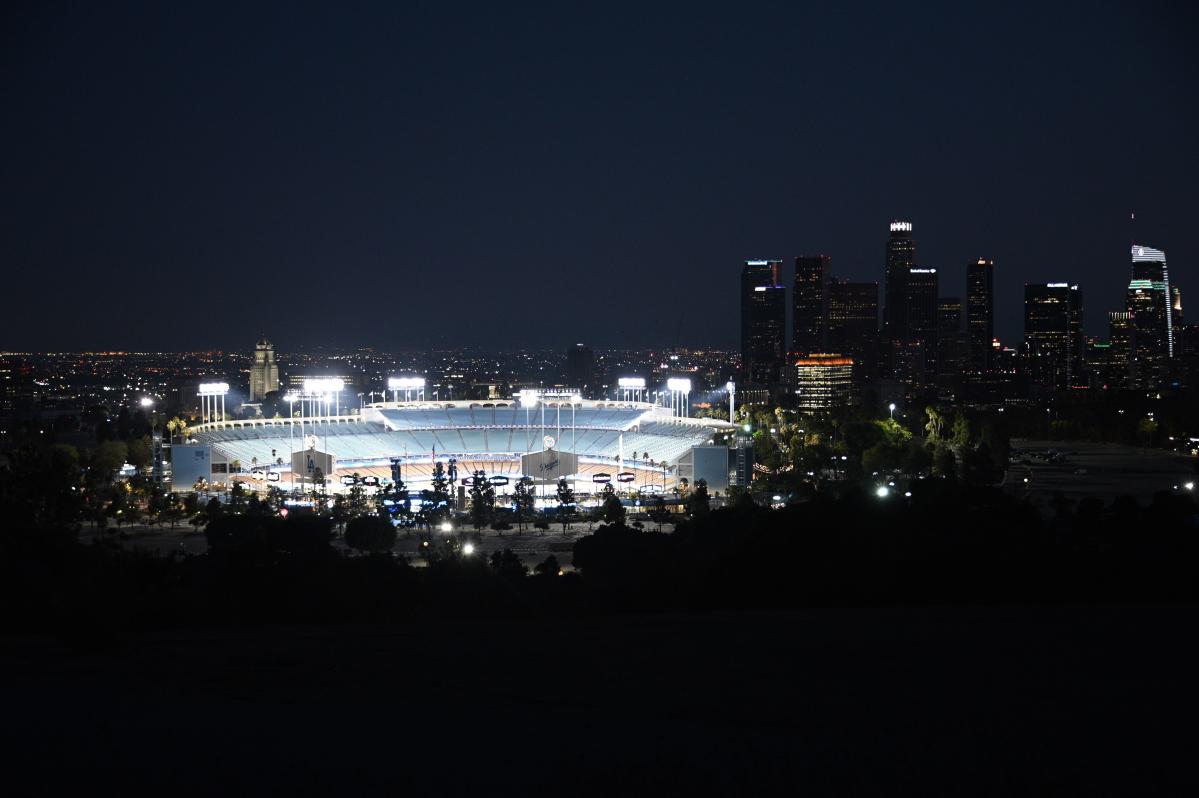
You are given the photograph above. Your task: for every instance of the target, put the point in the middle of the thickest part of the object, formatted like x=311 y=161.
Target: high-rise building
x=809 y=298
x=901 y=257
x=264 y=372
x=853 y=323
x=580 y=369
x=1053 y=334
x=921 y=316
x=1120 y=334
x=823 y=381
x=1156 y=309
x=980 y=313
x=763 y=321
x=953 y=354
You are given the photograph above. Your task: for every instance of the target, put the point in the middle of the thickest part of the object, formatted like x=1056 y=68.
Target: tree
x=138 y=453
x=522 y=503
x=548 y=567
x=935 y=422
x=698 y=503
x=107 y=460
x=659 y=514
x=507 y=565
x=482 y=500
x=1147 y=427
x=370 y=533
x=438 y=497
x=945 y=464
x=566 y=503
x=612 y=510
x=960 y=436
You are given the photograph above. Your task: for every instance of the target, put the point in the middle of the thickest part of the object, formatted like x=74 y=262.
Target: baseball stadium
x=633 y=445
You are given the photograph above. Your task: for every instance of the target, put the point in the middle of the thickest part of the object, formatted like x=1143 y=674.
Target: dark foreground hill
x=965 y=701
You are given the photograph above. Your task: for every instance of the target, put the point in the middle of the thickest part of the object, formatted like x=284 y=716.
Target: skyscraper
x=809 y=303
x=853 y=323
x=901 y=257
x=980 y=313
x=580 y=369
x=1053 y=334
x=1120 y=334
x=1150 y=301
x=952 y=347
x=264 y=372
x=921 y=317
x=763 y=321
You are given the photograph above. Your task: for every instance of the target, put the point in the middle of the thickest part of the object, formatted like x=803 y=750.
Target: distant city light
x=468 y=549
x=882 y=492
x=322 y=385
x=146 y=401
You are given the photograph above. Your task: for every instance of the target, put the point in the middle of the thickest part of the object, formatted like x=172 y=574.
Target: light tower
x=632 y=389
x=411 y=386
x=731 y=387
x=680 y=396
x=209 y=393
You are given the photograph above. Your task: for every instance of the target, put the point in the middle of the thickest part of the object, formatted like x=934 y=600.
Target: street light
x=468 y=549
x=147 y=401
x=891 y=407
x=882 y=492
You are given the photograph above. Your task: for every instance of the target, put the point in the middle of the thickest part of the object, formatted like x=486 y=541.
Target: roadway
x=1100 y=470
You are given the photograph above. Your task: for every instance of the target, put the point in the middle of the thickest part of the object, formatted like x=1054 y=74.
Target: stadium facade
x=643 y=444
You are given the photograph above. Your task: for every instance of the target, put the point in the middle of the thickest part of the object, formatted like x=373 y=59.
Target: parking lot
x=1100 y=470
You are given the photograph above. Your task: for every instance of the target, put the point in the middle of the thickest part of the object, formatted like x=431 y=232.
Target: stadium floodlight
x=322 y=385
x=214 y=388
x=291 y=396
x=631 y=382
x=681 y=384
x=575 y=398
x=528 y=397
x=405 y=383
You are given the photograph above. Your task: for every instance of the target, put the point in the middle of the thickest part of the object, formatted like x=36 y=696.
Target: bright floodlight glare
x=468 y=549
x=1189 y=486
x=575 y=399
x=681 y=384
x=528 y=397
x=746 y=428
x=320 y=385
x=728 y=386
x=446 y=526
x=631 y=382
x=213 y=388
x=147 y=401
x=405 y=383
x=882 y=492
x=891 y=406
x=291 y=396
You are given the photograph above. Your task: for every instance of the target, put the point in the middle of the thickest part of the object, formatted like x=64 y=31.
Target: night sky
x=402 y=176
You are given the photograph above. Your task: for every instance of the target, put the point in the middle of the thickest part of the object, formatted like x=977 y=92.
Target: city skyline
x=351 y=152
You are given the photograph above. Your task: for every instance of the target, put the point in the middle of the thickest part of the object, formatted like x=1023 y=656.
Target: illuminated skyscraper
x=921 y=316
x=823 y=382
x=1120 y=334
x=1150 y=301
x=980 y=313
x=264 y=372
x=809 y=298
x=763 y=321
x=1053 y=334
x=853 y=323
x=901 y=257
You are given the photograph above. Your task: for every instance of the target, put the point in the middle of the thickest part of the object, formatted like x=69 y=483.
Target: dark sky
x=405 y=175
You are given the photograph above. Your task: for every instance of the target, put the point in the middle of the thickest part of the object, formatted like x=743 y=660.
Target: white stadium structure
x=646 y=446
